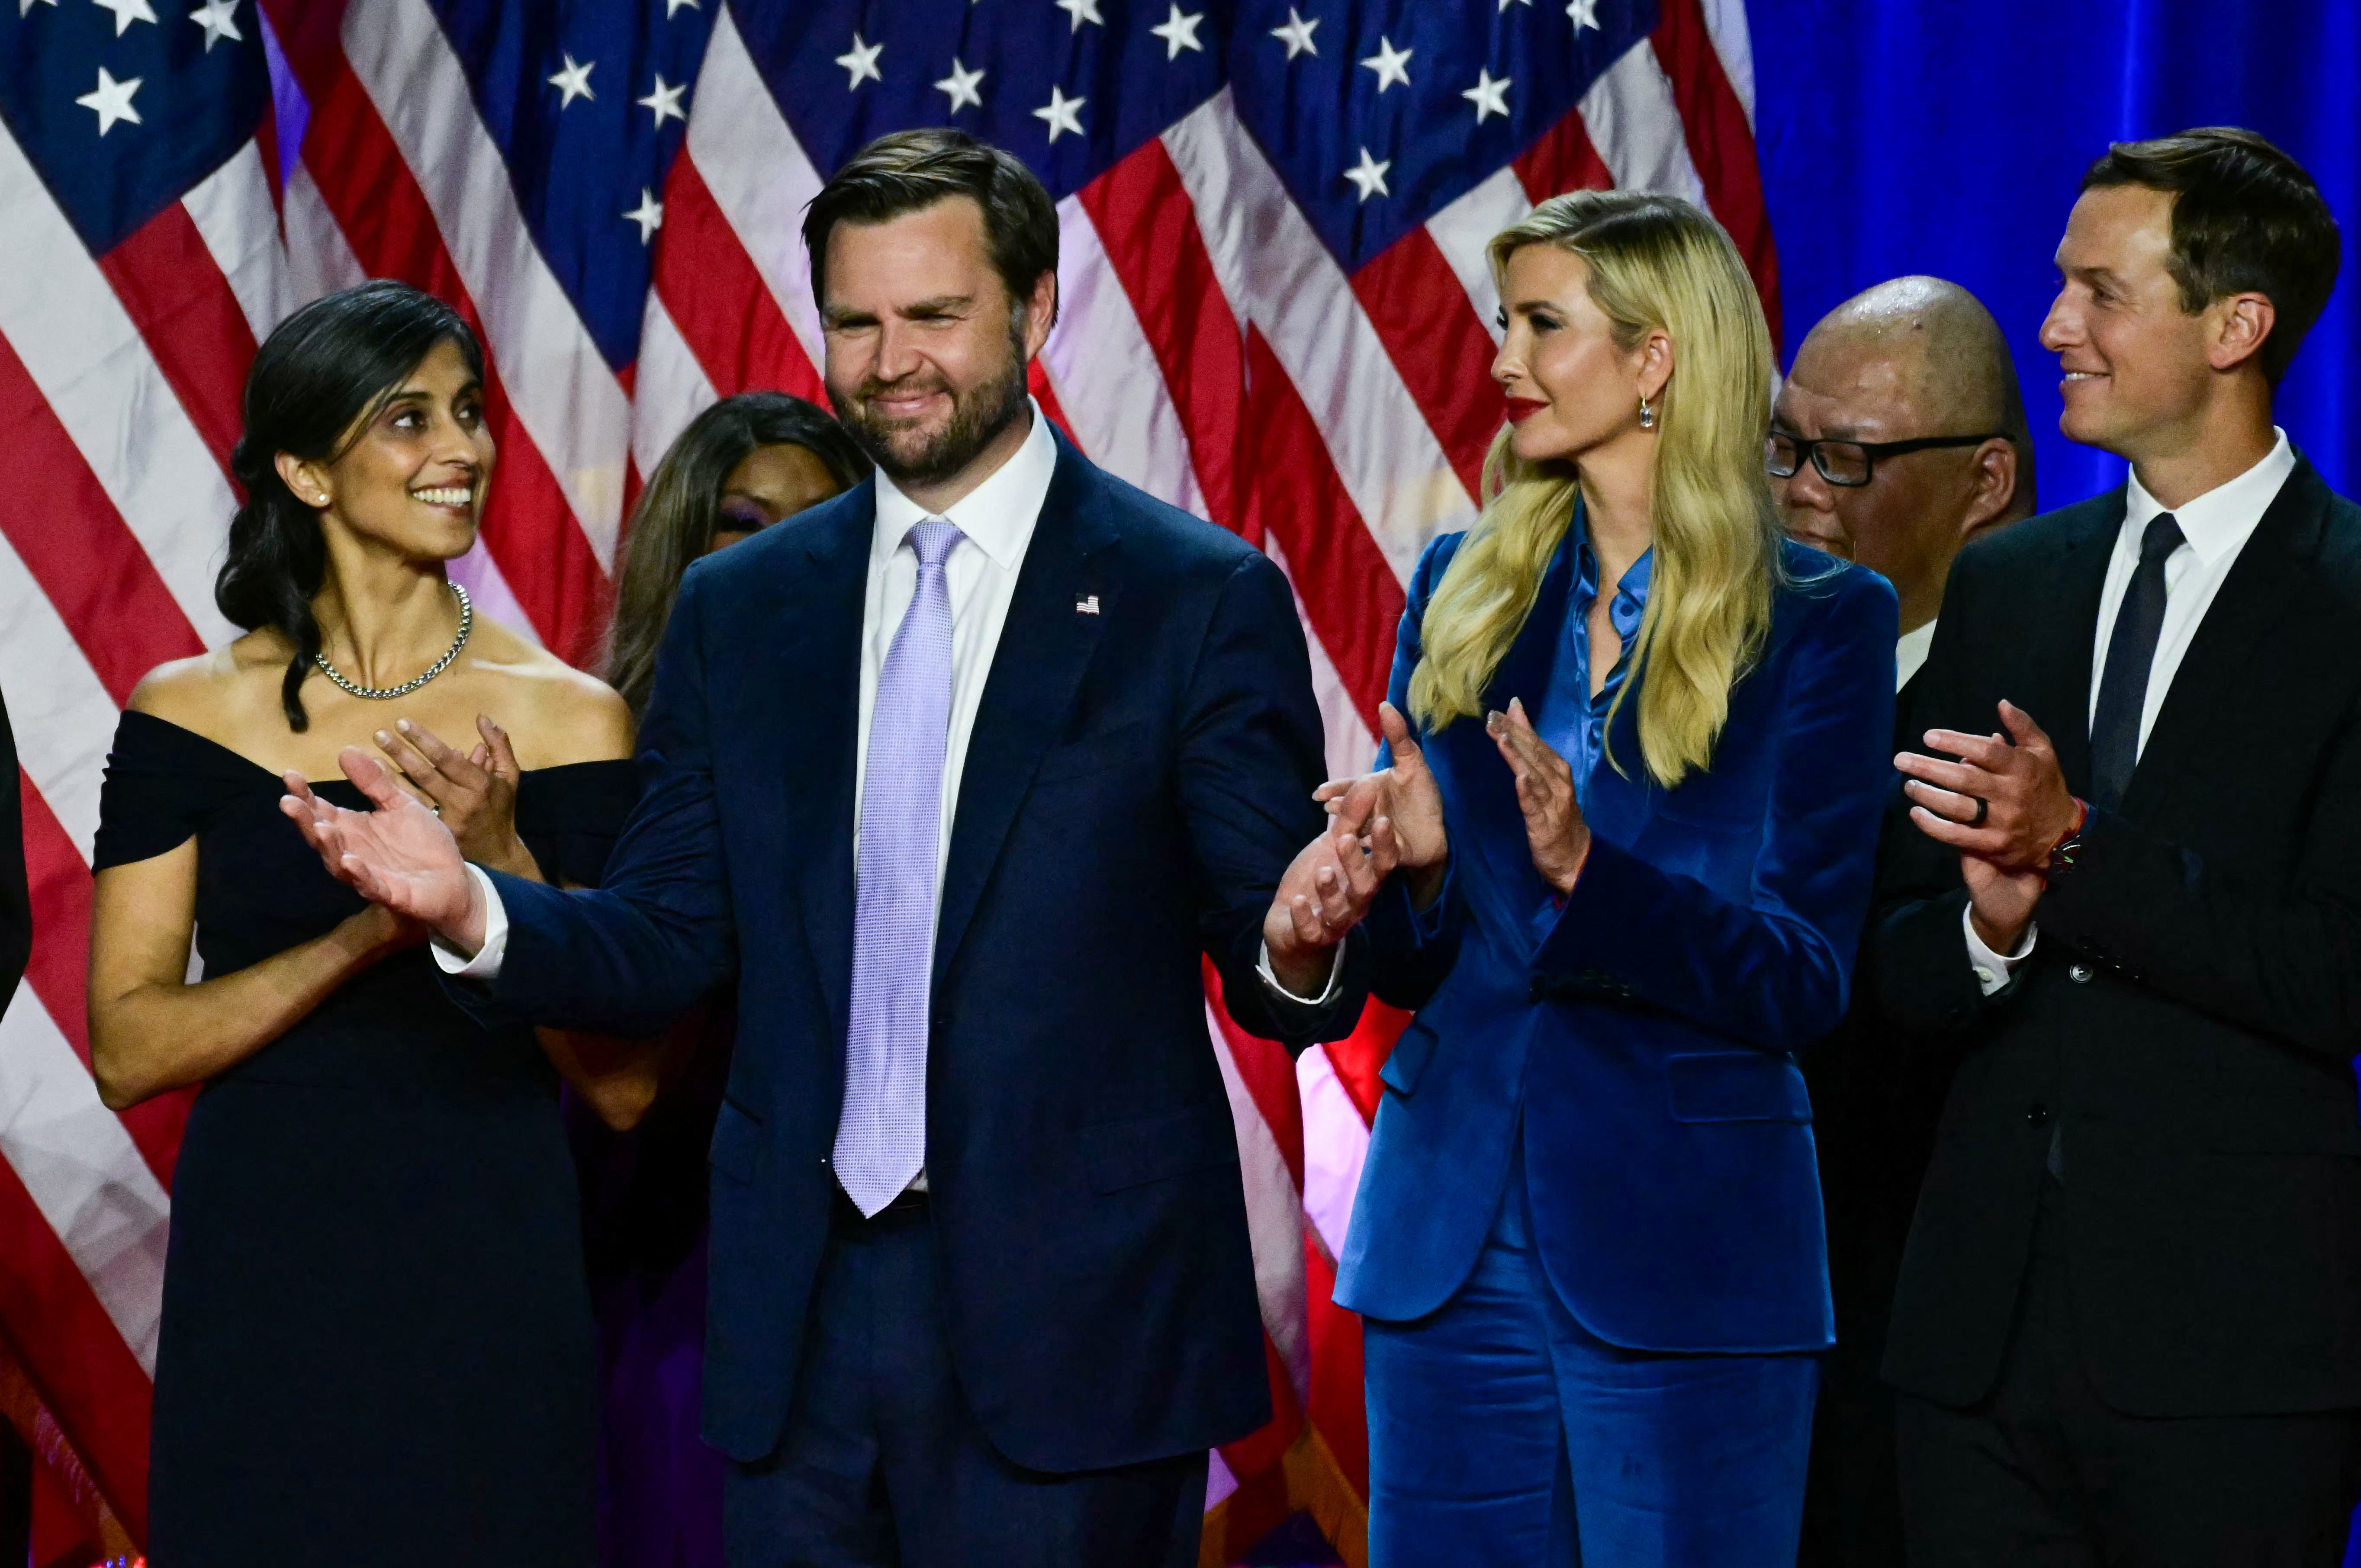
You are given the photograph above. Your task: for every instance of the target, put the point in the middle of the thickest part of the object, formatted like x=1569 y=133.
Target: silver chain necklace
x=382 y=694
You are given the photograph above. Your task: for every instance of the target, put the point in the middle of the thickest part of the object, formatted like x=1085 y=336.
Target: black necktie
x=2122 y=690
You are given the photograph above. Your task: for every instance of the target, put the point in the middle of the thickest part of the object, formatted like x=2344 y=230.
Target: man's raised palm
x=398 y=853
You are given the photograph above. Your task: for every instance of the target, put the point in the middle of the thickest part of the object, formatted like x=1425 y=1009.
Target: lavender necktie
x=881 y=1139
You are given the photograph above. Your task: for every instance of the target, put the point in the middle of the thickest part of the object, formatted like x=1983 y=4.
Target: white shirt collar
x=2217 y=522
x=997 y=516
x=1910 y=654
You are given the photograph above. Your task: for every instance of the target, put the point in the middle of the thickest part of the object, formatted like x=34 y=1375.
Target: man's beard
x=979 y=415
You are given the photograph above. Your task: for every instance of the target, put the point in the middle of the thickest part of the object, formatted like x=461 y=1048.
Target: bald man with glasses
x=1899 y=435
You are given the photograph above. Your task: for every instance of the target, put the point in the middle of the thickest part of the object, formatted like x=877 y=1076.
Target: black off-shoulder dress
x=376 y=1345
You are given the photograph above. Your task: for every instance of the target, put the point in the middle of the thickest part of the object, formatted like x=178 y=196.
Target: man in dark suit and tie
x=1899 y=436
x=982 y=1291
x=2129 y=1327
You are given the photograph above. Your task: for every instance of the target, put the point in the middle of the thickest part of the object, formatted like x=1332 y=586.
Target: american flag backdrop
x=1276 y=313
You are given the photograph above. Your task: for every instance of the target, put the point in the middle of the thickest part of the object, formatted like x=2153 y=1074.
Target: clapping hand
x=474 y=791
x=2004 y=806
x=1405 y=796
x=1555 y=829
x=398 y=854
x=1326 y=892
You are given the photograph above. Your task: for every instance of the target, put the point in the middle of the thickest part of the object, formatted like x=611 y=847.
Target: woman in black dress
x=376 y=1346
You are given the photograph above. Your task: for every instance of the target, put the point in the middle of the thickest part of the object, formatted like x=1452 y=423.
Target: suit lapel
x=1044 y=646
x=2057 y=689
x=818 y=627
x=2268 y=575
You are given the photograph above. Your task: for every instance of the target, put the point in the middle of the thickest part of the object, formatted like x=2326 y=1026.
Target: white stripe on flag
x=59 y=708
x=1273 y=267
x=1349 y=747
x=320 y=260
x=1274 y=1220
x=759 y=174
x=568 y=399
x=62 y=316
x=1635 y=124
x=234 y=214
x=85 y=1173
x=1335 y=1142
x=670 y=389
x=1732 y=40
x=1106 y=376
x=1463 y=230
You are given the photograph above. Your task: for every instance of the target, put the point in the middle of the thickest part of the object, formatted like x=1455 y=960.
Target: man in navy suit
x=982 y=1291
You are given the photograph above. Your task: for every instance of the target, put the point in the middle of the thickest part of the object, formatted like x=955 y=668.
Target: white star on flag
x=216 y=18
x=861 y=61
x=112 y=101
x=1586 y=15
x=1391 y=65
x=1506 y=4
x=961 y=84
x=648 y=215
x=126 y=12
x=574 y=83
x=1489 y=98
x=673 y=6
x=1081 y=11
x=25 y=7
x=1180 y=32
x=665 y=101
x=1063 y=113
x=1297 y=34
x=1370 y=177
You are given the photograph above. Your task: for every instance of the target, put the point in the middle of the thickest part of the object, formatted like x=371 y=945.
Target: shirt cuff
x=486 y=964
x=1270 y=981
x=1993 y=969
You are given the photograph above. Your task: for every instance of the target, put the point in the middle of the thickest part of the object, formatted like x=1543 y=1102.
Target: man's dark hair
x=2246 y=218
x=909 y=171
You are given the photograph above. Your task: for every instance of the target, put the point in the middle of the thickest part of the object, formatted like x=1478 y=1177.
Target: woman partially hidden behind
x=376 y=1346
x=1635 y=803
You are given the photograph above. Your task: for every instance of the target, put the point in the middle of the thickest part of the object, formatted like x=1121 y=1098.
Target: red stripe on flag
x=88 y=564
x=724 y=310
x=1562 y=160
x=1147 y=227
x=528 y=525
x=1431 y=331
x=1349 y=592
x=1037 y=381
x=176 y=295
x=1359 y=1057
x=70 y=1350
x=1268 y=1073
x=1721 y=143
x=59 y=971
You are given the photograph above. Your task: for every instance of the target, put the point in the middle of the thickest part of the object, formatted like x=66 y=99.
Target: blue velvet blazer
x=1642 y=1041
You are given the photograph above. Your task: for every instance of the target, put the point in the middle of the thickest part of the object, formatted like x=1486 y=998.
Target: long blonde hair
x=1656 y=263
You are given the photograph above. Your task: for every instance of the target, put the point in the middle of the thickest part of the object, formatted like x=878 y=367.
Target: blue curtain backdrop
x=1948 y=136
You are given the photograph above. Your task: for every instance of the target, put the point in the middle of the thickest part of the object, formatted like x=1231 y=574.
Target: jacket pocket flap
x=1151 y=1148
x=1735 y=1086
x=737 y=1141
x=1408 y=1060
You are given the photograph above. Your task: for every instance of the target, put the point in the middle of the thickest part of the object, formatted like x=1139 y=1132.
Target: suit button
x=2037 y=1117
x=2078 y=973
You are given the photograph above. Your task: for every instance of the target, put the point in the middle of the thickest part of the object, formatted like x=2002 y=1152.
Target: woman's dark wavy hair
x=318 y=379
x=680 y=510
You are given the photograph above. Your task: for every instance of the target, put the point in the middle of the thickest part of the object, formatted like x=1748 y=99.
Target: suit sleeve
x=2282 y=959
x=1250 y=756
x=1414 y=949
x=1772 y=971
x=631 y=956
x=1915 y=955
x=16 y=903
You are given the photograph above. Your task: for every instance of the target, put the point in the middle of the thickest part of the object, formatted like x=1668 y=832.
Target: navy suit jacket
x=1643 y=1040
x=1136 y=782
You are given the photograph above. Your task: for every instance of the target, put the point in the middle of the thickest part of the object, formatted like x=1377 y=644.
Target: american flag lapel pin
x=1086 y=604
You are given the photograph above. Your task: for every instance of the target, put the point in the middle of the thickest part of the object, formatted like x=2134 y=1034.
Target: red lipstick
x=1524 y=409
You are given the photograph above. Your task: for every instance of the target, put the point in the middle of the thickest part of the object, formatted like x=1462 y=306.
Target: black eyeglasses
x=1850 y=463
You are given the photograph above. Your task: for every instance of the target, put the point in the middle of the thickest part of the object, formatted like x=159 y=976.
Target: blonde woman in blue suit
x=1636 y=758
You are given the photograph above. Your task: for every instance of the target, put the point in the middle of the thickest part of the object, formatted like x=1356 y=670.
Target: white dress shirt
x=2213 y=529
x=1910 y=654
